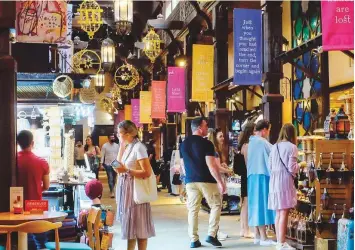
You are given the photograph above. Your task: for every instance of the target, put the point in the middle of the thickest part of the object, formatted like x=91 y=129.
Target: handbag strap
x=130 y=151
x=283 y=164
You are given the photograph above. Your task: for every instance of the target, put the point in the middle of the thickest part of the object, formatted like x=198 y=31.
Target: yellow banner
x=145 y=106
x=128 y=112
x=202 y=73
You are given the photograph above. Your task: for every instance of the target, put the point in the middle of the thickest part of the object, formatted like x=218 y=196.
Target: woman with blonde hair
x=135 y=219
x=283 y=168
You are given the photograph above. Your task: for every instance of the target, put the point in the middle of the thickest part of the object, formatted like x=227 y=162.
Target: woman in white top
x=135 y=219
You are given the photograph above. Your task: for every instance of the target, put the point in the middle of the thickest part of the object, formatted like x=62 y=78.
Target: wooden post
x=272 y=100
x=325 y=87
x=8 y=99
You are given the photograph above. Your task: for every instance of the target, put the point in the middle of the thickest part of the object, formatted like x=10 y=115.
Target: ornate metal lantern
x=108 y=52
x=123 y=16
x=90 y=18
x=152 y=45
x=100 y=81
x=342 y=125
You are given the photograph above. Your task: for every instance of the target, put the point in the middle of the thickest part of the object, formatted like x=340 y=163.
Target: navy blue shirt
x=194 y=151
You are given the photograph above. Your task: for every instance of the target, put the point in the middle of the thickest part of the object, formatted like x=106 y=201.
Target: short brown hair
x=288 y=133
x=262 y=124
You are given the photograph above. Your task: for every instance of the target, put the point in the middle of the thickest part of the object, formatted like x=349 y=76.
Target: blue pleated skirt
x=258 y=193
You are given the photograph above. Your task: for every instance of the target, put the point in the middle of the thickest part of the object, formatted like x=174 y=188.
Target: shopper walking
x=109 y=153
x=258 y=183
x=79 y=154
x=135 y=219
x=33 y=176
x=93 y=154
x=283 y=168
x=217 y=138
x=243 y=148
x=202 y=180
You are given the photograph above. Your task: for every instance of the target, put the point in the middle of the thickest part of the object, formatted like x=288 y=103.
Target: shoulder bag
x=144 y=190
x=295 y=178
x=239 y=164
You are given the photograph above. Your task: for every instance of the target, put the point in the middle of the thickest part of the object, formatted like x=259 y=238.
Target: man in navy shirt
x=202 y=180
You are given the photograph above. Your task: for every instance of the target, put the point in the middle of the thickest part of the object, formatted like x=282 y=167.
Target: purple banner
x=135 y=111
x=176 y=89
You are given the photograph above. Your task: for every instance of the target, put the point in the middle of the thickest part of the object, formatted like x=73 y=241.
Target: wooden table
x=8 y=218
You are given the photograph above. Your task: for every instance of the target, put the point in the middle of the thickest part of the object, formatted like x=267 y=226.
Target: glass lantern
x=108 y=51
x=100 y=81
x=123 y=16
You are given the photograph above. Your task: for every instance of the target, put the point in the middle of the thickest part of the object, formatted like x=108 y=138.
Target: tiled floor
x=170 y=219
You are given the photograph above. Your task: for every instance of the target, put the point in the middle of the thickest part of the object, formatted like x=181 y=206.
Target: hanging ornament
x=152 y=45
x=126 y=77
x=62 y=86
x=106 y=104
x=116 y=94
x=86 y=62
x=87 y=95
x=90 y=18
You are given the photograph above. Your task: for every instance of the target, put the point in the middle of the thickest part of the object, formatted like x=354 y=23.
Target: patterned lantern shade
x=123 y=16
x=100 y=81
x=90 y=18
x=152 y=45
x=108 y=53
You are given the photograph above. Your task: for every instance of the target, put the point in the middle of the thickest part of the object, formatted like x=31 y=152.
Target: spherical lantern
x=123 y=16
x=152 y=45
x=108 y=51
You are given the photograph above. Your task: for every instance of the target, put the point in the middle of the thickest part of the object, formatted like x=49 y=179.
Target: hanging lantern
x=108 y=53
x=100 y=81
x=152 y=45
x=90 y=18
x=123 y=16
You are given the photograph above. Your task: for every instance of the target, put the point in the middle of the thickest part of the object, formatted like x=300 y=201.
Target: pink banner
x=135 y=111
x=337 y=25
x=158 y=99
x=176 y=89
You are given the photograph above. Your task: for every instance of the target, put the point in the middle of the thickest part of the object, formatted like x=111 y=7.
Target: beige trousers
x=195 y=191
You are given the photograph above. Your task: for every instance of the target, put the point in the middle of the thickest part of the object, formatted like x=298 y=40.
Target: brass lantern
x=152 y=45
x=100 y=81
x=108 y=53
x=123 y=16
x=90 y=18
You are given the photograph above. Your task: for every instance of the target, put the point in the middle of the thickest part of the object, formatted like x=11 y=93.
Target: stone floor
x=170 y=219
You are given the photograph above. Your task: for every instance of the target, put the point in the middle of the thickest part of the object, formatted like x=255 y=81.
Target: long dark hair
x=86 y=147
x=245 y=135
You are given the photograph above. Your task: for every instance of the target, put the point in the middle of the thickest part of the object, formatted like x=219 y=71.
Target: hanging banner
x=337 y=25
x=145 y=98
x=247 y=47
x=176 y=89
x=202 y=73
x=41 y=21
x=158 y=99
x=135 y=111
x=128 y=112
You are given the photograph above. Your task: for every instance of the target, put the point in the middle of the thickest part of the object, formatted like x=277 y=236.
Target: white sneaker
x=284 y=246
x=267 y=243
x=256 y=241
x=221 y=236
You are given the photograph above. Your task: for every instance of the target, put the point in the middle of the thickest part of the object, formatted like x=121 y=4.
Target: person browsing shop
x=202 y=179
x=79 y=154
x=33 y=176
x=109 y=152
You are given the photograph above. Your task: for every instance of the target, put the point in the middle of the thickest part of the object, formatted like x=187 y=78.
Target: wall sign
x=176 y=89
x=202 y=73
x=158 y=99
x=337 y=25
x=247 y=47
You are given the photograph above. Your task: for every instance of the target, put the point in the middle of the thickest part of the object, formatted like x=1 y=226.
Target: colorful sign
x=36 y=206
x=337 y=25
x=128 y=112
x=16 y=200
x=158 y=99
x=176 y=89
x=145 y=98
x=135 y=111
x=247 y=46
x=202 y=73
x=41 y=21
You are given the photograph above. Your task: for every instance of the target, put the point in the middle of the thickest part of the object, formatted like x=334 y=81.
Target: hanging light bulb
x=100 y=81
x=33 y=114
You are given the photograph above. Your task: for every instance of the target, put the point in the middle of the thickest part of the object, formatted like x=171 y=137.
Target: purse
x=176 y=179
x=144 y=190
x=295 y=178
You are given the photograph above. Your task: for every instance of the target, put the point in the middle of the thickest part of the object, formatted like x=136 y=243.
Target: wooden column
x=325 y=87
x=272 y=100
x=8 y=99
